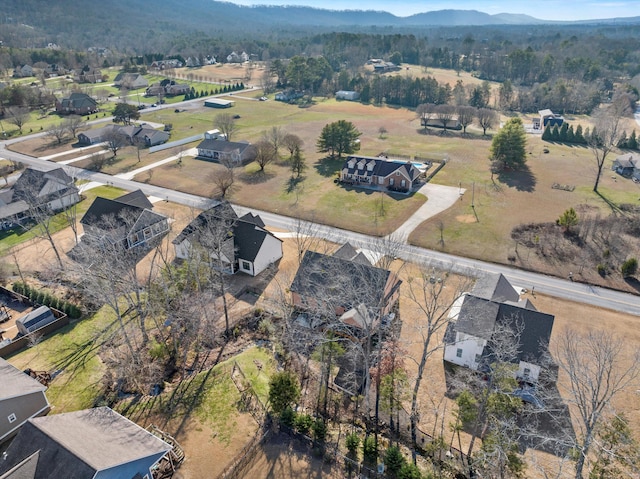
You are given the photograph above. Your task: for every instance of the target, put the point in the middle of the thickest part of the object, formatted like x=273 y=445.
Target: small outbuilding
x=347 y=95
x=35 y=320
x=219 y=103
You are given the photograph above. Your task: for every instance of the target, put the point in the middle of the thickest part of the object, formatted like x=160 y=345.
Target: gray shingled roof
x=223 y=146
x=495 y=287
x=383 y=167
x=16 y=383
x=77 y=444
x=338 y=282
x=134 y=204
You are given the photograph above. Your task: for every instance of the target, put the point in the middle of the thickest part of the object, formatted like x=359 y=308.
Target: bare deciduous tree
x=597 y=366
x=434 y=293
x=605 y=135
x=425 y=112
x=466 y=114
x=114 y=141
x=292 y=142
x=445 y=113
x=56 y=132
x=275 y=137
x=73 y=124
x=265 y=153
x=18 y=116
x=486 y=119
x=226 y=123
x=223 y=180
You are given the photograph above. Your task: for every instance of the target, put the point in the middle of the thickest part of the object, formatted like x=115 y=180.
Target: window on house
x=459 y=353
x=381 y=180
x=245 y=265
x=12 y=418
x=527 y=372
x=390 y=181
x=397 y=173
x=403 y=183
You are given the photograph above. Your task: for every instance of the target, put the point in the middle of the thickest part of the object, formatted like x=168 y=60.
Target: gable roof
x=628 y=160
x=248 y=232
x=78 y=444
x=383 y=167
x=136 y=198
x=220 y=212
x=15 y=383
x=25 y=469
x=223 y=146
x=487 y=308
x=248 y=238
x=495 y=287
x=131 y=204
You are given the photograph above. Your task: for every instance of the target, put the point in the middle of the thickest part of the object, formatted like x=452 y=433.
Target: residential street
x=561 y=288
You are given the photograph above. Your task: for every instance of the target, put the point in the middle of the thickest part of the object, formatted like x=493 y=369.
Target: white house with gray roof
x=495 y=307
x=247 y=246
x=94 y=443
x=21 y=397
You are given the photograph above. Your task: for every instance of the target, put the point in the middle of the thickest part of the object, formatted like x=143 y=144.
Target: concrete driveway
x=439 y=198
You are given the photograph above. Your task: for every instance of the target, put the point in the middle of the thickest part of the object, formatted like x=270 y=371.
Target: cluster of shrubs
x=193 y=94
x=397 y=466
x=304 y=423
x=42 y=297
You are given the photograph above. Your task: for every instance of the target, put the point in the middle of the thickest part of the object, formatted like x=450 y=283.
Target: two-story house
x=494 y=308
x=127 y=221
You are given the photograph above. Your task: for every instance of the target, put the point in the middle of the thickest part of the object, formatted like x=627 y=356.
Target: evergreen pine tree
x=622 y=142
x=555 y=134
x=546 y=136
x=571 y=136
x=579 y=138
x=632 y=142
x=563 y=132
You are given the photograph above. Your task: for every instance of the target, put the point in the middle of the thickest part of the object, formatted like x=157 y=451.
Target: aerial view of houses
x=286 y=241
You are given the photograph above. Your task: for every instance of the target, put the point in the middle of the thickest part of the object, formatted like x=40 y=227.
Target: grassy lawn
x=73 y=351
x=18 y=235
x=209 y=396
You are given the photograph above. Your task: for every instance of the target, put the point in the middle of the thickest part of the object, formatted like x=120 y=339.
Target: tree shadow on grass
x=614 y=207
x=522 y=179
x=328 y=166
x=256 y=178
x=633 y=282
x=292 y=183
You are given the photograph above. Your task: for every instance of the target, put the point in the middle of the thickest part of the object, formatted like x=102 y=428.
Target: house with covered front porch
x=380 y=173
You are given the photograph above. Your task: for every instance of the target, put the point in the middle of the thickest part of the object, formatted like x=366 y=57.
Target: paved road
x=578 y=292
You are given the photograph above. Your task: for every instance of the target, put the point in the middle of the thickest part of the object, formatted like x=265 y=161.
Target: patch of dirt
x=206 y=455
x=284 y=458
x=466 y=218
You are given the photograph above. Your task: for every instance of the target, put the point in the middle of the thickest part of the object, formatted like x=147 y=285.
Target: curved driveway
x=616 y=300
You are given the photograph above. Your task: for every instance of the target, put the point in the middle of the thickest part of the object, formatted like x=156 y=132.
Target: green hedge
x=43 y=297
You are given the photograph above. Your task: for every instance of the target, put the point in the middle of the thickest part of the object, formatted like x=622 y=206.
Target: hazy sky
x=543 y=9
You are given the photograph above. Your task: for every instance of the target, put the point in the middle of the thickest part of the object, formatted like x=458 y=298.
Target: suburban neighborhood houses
x=283 y=241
